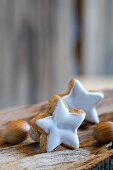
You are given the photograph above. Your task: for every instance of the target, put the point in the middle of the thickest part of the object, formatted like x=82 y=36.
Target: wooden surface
x=27 y=155
x=36 y=57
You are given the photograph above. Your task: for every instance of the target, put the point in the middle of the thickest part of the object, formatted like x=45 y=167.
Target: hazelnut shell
x=103 y=133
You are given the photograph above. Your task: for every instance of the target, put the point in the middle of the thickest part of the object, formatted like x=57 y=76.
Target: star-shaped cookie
x=62 y=126
x=79 y=98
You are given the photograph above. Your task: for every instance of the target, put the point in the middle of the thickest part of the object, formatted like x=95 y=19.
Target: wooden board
x=27 y=155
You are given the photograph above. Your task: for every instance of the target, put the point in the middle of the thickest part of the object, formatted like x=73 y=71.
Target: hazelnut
x=15 y=132
x=103 y=132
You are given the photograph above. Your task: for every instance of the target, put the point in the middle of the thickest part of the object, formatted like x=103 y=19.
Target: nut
x=103 y=133
x=15 y=132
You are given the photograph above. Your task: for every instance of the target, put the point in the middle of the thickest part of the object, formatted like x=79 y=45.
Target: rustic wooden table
x=27 y=155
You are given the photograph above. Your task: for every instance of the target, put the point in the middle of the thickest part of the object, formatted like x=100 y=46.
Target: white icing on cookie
x=61 y=127
x=82 y=99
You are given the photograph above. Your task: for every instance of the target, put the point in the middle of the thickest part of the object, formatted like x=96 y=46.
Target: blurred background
x=43 y=43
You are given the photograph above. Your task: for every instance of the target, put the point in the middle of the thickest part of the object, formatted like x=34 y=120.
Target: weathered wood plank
x=27 y=155
x=47 y=160
x=80 y=159
x=28 y=112
x=35 y=49
x=24 y=113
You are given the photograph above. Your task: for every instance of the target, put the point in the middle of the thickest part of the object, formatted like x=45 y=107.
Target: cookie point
x=52 y=103
x=102 y=95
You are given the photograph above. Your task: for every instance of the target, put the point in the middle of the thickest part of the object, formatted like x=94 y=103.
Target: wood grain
x=35 y=49
x=88 y=156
